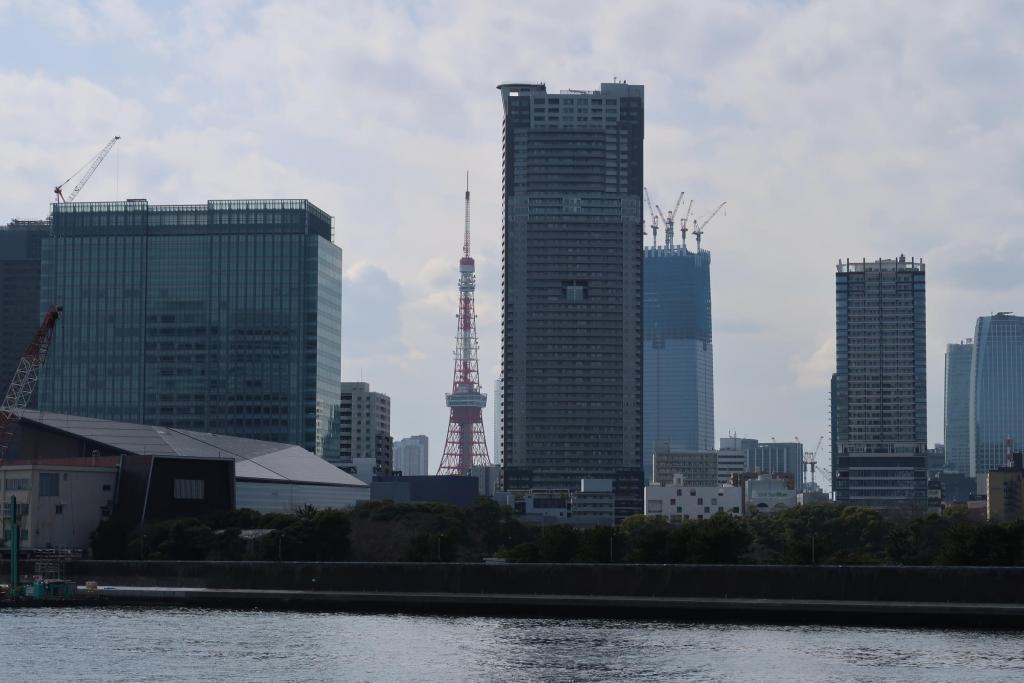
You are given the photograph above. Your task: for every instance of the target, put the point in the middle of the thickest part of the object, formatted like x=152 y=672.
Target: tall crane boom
x=698 y=231
x=654 y=216
x=26 y=377
x=93 y=164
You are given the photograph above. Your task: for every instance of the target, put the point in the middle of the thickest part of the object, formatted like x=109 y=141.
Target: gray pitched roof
x=254 y=459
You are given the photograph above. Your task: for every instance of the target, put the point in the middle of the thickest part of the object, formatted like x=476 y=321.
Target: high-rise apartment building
x=572 y=266
x=20 y=247
x=364 y=425
x=996 y=390
x=957 y=409
x=679 y=399
x=222 y=317
x=879 y=393
x=412 y=457
x=499 y=421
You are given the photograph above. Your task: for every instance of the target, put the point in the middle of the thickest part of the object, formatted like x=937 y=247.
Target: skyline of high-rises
x=879 y=390
x=222 y=317
x=572 y=353
x=996 y=391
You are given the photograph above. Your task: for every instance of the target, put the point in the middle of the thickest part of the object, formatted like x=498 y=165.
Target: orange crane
x=26 y=377
x=93 y=164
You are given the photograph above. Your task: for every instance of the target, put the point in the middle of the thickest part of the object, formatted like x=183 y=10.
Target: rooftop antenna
x=465 y=245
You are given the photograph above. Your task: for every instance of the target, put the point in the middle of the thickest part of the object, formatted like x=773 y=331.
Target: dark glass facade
x=957 y=408
x=20 y=249
x=572 y=288
x=996 y=391
x=679 y=399
x=879 y=399
x=223 y=317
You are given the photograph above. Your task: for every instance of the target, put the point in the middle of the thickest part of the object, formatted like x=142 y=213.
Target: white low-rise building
x=768 y=494
x=680 y=502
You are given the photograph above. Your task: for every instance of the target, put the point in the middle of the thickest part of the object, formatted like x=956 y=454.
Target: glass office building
x=880 y=417
x=996 y=391
x=222 y=317
x=572 y=266
x=20 y=249
x=957 y=408
x=679 y=397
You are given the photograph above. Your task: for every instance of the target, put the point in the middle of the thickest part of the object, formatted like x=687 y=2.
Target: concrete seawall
x=819 y=593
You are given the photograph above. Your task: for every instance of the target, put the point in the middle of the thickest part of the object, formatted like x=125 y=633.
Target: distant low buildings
x=767 y=494
x=678 y=501
x=72 y=472
x=1006 y=491
x=592 y=504
x=458 y=490
x=770 y=457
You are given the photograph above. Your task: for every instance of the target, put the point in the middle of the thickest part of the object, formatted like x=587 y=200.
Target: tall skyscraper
x=679 y=397
x=996 y=390
x=222 y=317
x=364 y=426
x=20 y=248
x=499 y=421
x=879 y=394
x=412 y=456
x=572 y=338
x=957 y=409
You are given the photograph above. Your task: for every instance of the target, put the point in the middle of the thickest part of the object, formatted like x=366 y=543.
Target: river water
x=132 y=644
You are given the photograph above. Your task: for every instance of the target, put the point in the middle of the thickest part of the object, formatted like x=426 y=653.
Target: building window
x=189 y=489
x=574 y=291
x=19 y=484
x=60 y=510
x=49 y=484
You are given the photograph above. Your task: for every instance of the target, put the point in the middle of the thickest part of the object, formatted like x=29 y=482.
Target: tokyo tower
x=466 y=445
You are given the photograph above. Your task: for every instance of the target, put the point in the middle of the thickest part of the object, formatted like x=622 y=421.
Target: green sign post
x=15 y=542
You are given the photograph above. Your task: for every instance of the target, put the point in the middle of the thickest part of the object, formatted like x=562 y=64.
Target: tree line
x=430 y=532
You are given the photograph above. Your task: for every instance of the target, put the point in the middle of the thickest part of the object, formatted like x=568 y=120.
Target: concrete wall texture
x=1003 y=585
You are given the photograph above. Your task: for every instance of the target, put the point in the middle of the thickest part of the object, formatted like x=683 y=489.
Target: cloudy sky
x=833 y=130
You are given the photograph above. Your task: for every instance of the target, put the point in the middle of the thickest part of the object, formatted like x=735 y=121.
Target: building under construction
x=679 y=397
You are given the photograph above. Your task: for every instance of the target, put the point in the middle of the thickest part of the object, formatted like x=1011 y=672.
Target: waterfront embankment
x=883 y=594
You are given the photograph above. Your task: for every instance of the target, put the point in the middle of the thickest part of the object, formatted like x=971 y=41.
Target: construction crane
x=811 y=458
x=25 y=378
x=93 y=164
x=654 y=216
x=682 y=224
x=670 y=222
x=698 y=230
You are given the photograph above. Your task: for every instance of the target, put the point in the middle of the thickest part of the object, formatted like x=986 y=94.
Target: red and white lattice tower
x=466 y=444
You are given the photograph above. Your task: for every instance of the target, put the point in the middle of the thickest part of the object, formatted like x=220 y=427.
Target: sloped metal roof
x=254 y=460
